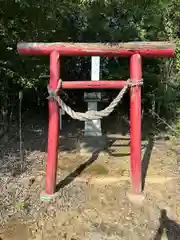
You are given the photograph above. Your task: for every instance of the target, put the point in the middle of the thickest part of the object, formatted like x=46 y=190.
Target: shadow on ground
x=146 y=160
x=80 y=169
x=77 y=171
x=35 y=130
x=34 y=137
x=167 y=228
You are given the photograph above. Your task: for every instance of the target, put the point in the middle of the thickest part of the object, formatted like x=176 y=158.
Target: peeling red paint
x=67 y=49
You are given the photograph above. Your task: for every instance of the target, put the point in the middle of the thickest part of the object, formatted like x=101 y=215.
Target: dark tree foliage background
x=87 y=21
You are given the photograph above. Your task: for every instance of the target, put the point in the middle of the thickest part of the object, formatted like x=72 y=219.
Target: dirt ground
x=92 y=202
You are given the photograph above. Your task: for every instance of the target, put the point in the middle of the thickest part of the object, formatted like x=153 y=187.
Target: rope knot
x=131 y=83
x=53 y=93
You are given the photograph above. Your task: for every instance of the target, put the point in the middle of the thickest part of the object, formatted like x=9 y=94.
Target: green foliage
x=178 y=126
x=19 y=206
x=178 y=56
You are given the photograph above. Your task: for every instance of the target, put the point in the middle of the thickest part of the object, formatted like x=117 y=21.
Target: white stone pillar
x=61 y=112
x=93 y=128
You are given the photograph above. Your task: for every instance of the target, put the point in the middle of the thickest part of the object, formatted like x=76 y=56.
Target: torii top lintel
x=145 y=49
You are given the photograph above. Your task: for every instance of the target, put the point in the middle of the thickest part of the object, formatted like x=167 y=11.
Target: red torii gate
x=134 y=50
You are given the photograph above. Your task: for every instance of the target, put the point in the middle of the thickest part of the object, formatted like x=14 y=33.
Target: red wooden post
x=53 y=131
x=135 y=123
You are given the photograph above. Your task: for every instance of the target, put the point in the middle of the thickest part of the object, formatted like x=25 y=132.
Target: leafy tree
x=88 y=21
